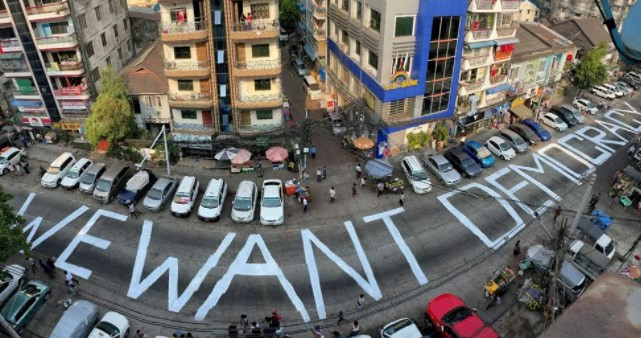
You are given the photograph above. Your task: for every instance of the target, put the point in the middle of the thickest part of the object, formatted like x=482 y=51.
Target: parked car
x=634 y=75
x=580 y=118
x=10 y=158
x=401 y=328
x=442 y=169
x=25 y=303
x=451 y=318
x=463 y=162
x=110 y=183
x=525 y=133
x=514 y=140
x=540 y=132
x=602 y=93
x=244 y=203
x=136 y=187
x=585 y=105
x=416 y=175
x=624 y=87
x=500 y=148
x=632 y=82
x=90 y=177
x=10 y=279
x=112 y=325
x=272 y=206
x=478 y=153
x=284 y=36
x=336 y=122
x=72 y=178
x=77 y=320
x=185 y=197
x=553 y=121
x=288 y=116
x=566 y=115
x=160 y=193
x=57 y=170
x=299 y=67
x=213 y=200
x=613 y=89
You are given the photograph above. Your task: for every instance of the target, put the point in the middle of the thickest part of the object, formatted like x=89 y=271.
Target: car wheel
x=127 y=333
x=502 y=157
x=47 y=296
x=5 y=171
x=59 y=181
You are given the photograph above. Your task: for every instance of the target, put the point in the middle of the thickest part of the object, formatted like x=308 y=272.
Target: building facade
x=561 y=10
x=144 y=26
x=400 y=58
x=490 y=30
x=53 y=51
x=586 y=34
x=313 y=29
x=529 y=11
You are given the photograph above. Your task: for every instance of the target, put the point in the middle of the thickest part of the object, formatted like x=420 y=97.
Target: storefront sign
x=70 y=125
x=400 y=84
x=37 y=121
x=74 y=105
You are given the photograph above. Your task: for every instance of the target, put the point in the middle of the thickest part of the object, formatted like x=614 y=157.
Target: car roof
x=457 y=152
x=81 y=162
x=60 y=159
x=496 y=139
x=509 y=133
x=114 y=318
x=186 y=183
x=163 y=182
x=245 y=188
x=440 y=305
x=271 y=190
x=213 y=186
x=474 y=144
x=95 y=168
x=439 y=159
x=10 y=151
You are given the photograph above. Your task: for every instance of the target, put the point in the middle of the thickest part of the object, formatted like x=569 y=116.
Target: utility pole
x=7 y=328
x=584 y=202
x=162 y=132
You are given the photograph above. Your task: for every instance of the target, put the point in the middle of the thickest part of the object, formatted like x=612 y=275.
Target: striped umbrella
x=226 y=154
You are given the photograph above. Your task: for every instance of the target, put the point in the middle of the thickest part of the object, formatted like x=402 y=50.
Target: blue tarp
x=506 y=41
x=475 y=45
x=301 y=6
x=379 y=168
x=28 y=104
x=601 y=219
x=311 y=52
x=302 y=26
x=498 y=89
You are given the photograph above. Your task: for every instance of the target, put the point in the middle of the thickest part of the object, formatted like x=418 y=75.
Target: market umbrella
x=226 y=154
x=379 y=168
x=242 y=156
x=277 y=154
x=363 y=143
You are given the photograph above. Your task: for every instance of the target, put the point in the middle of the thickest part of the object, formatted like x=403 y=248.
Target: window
x=345 y=37
x=373 y=60
x=260 y=11
x=262 y=84
x=178 y=14
x=357 y=48
x=375 y=20
x=264 y=114
x=188 y=114
x=97 y=9
x=120 y=53
x=89 y=48
x=111 y=6
x=103 y=37
x=125 y=23
x=182 y=53
x=108 y=61
x=185 y=85
x=404 y=26
x=259 y=51
x=82 y=22
x=116 y=30
x=58 y=27
x=440 y=64
x=95 y=74
x=359 y=10
x=345 y=5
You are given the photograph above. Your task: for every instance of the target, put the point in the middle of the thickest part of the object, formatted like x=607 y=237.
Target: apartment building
x=490 y=30
x=144 y=26
x=313 y=29
x=529 y=11
x=53 y=51
x=561 y=10
x=401 y=58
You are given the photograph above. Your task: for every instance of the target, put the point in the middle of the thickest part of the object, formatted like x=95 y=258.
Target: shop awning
x=475 y=45
x=522 y=112
x=27 y=104
x=632 y=173
x=498 y=89
x=10 y=56
x=506 y=41
x=309 y=49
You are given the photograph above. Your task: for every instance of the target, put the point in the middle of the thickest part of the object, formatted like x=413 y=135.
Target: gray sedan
x=160 y=193
x=442 y=169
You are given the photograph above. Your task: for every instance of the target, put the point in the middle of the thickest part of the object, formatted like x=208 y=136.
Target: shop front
x=485 y=119
x=519 y=111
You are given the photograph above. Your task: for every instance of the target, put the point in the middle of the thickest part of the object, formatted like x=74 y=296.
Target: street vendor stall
x=625 y=188
x=242 y=162
x=277 y=155
x=297 y=189
x=380 y=170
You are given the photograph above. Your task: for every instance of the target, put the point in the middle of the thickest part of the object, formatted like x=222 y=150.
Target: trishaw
x=498 y=284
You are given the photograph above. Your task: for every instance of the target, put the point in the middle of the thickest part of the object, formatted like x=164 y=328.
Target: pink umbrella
x=242 y=156
x=277 y=154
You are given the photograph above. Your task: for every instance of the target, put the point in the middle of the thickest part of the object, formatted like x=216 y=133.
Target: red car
x=453 y=319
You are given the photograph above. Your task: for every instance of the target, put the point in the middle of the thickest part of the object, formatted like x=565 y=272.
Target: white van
x=416 y=175
x=185 y=197
x=245 y=202
x=9 y=159
x=57 y=170
x=72 y=179
x=616 y=91
x=213 y=200
x=312 y=88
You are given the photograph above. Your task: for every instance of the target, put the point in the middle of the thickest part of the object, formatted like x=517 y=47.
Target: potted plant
x=442 y=135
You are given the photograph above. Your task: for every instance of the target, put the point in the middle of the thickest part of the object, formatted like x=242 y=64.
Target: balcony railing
x=13 y=67
x=485 y=4
x=7 y=43
x=176 y=27
x=510 y=4
x=257 y=64
x=70 y=91
x=64 y=66
x=48 y=8
x=56 y=39
x=497 y=78
x=494 y=100
x=4 y=14
x=190 y=97
x=474 y=61
x=186 y=65
x=319 y=9
x=25 y=91
x=255 y=25
x=481 y=33
x=471 y=86
x=260 y=98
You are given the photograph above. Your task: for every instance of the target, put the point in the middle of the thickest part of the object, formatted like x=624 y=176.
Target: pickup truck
x=585 y=258
x=596 y=237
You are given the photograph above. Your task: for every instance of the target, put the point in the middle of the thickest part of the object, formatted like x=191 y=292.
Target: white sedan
x=585 y=105
x=500 y=148
x=602 y=93
x=272 y=208
x=553 y=121
x=113 y=325
x=10 y=279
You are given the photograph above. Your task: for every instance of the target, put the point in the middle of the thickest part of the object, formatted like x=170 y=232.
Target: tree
x=289 y=14
x=591 y=71
x=111 y=115
x=11 y=235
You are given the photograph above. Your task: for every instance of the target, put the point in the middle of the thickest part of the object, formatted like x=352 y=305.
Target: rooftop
x=536 y=40
x=145 y=74
x=586 y=33
x=144 y=13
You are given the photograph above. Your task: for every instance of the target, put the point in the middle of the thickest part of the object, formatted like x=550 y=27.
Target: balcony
x=190 y=69
x=65 y=68
x=257 y=29
x=187 y=31
x=72 y=93
x=484 y=5
x=191 y=100
x=498 y=79
x=320 y=13
x=15 y=68
x=509 y=30
x=494 y=100
x=320 y=34
x=470 y=87
x=257 y=68
x=26 y=93
x=5 y=18
x=10 y=45
x=52 y=11
x=510 y=4
x=470 y=62
x=257 y=101
x=65 y=41
x=480 y=33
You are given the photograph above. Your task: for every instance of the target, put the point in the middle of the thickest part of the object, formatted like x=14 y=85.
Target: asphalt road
x=426 y=238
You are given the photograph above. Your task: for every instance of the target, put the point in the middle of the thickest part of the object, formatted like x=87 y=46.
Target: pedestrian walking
x=312 y=151
x=557 y=213
x=341 y=318
x=132 y=210
x=243 y=324
x=51 y=264
x=360 y=302
x=332 y=195
x=317 y=333
x=354 y=191
x=401 y=199
x=305 y=203
x=379 y=189
x=140 y=334
x=70 y=279
x=324 y=173
x=25 y=166
x=363 y=182
x=356 y=329
x=31 y=263
x=46 y=268
x=359 y=171
x=517 y=248
x=72 y=288
x=319 y=175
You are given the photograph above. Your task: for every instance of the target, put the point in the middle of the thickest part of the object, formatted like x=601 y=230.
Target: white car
x=284 y=36
x=401 y=328
x=10 y=279
x=244 y=203
x=272 y=206
x=416 y=175
x=500 y=148
x=185 y=197
x=585 y=105
x=602 y=92
x=72 y=179
x=624 y=87
x=613 y=89
x=213 y=200
x=112 y=325
x=553 y=121
x=57 y=170
x=9 y=158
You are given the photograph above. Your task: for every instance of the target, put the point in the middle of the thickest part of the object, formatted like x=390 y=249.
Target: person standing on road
x=324 y=173
x=31 y=263
x=379 y=189
x=360 y=302
x=317 y=333
x=354 y=191
x=25 y=166
x=557 y=213
x=319 y=175
x=517 y=248
x=356 y=329
x=312 y=151
x=341 y=318
x=243 y=324
x=359 y=171
x=46 y=268
x=72 y=287
x=51 y=264
x=139 y=334
x=132 y=210
x=401 y=199
x=305 y=203
x=363 y=182
x=332 y=195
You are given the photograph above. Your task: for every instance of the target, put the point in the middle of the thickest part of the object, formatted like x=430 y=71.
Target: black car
x=566 y=115
x=632 y=82
x=526 y=133
x=136 y=187
x=462 y=162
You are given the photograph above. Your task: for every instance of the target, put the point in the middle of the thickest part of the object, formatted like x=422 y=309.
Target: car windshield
x=504 y=146
x=181 y=198
x=210 y=202
x=88 y=178
x=518 y=141
x=103 y=185
x=3 y=160
x=243 y=204
x=53 y=170
x=467 y=162
x=74 y=173
x=445 y=167
x=589 y=104
x=108 y=328
x=609 y=249
x=271 y=202
x=154 y=194
x=456 y=315
x=419 y=175
x=391 y=330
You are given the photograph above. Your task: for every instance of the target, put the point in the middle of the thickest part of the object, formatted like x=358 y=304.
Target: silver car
x=577 y=113
x=160 y=193
x=442 y=169
x=514 y=140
